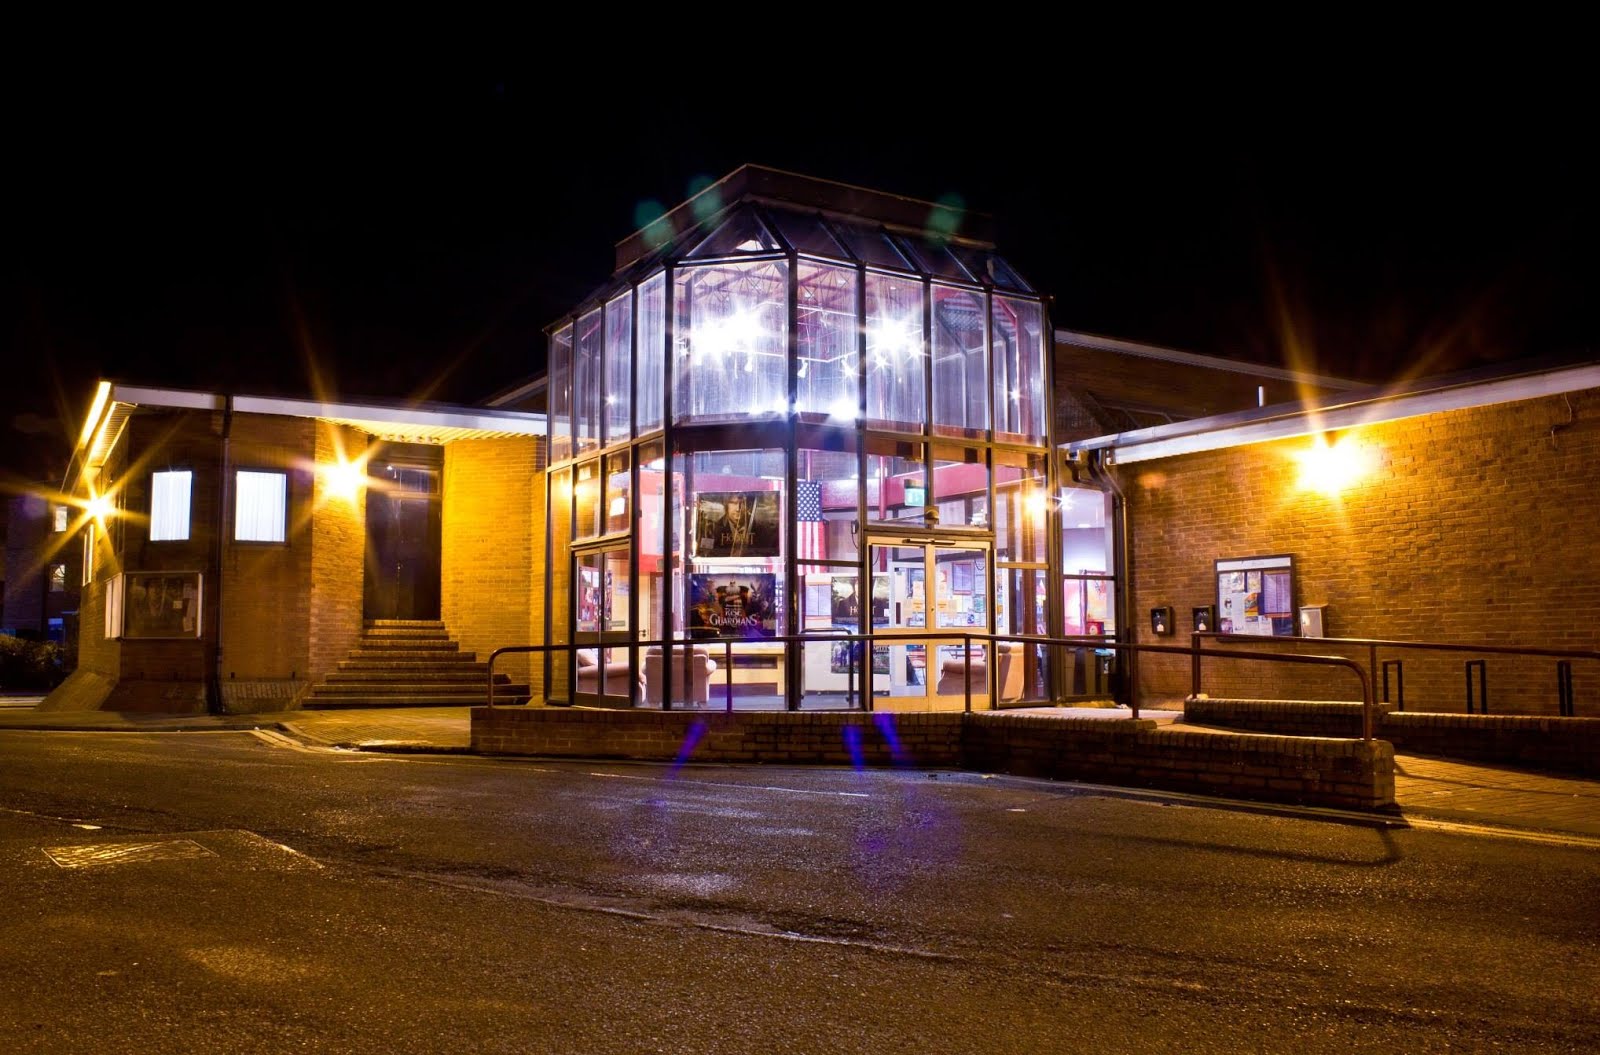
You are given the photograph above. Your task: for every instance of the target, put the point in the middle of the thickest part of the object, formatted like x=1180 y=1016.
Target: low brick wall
x=1567 y=744
x=790 y=737
x=1283 y=717
x=1324 y=772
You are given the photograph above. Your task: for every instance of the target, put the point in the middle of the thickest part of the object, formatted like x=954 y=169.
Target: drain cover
x=94 y=855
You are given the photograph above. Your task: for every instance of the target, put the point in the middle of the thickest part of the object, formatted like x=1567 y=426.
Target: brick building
x=799 y=413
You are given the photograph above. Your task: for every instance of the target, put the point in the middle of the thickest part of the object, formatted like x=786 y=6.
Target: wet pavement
x=1434 y=789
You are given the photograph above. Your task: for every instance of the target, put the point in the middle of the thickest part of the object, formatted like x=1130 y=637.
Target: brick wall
x=266 y=587
x=1568 y=744
x=1344 y=773
x=338 y=552
x=491 y=541
x=1473 y=526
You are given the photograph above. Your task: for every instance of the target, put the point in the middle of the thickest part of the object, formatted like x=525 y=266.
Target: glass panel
x=560 y=394
x=1088 y=607
x=588 y=500
x=872 y=247
x=1021 y=503
x=960 y=367
x=649 y=526
x=169 y=505
x=560 y=588
x=806 y=234
x=1085 y=531
x=735 y=517
x=899 y=663
x=586 y=390
x=897 y=483
x=614 y=616
x=1020 y=405
x=1020 y=599
x=618 y=484
x=742 y=232
x=897 y=361
x=732 y=336
x=831 y=675
x=825 y=317
x=651 y=355
x=619 y=368
x=962 y=589
x=961 y=486
x=937 y=261
x=589 y=594
x=826 y=512
x=988 y=267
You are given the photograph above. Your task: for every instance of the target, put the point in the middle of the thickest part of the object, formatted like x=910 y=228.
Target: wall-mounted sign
x=1255 y=595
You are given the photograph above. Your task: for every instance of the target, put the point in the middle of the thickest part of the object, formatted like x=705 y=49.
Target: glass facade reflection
x=750 y=410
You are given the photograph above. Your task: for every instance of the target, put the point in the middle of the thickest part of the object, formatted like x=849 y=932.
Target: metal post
x=1194 y=660
x=1483 y=684
x=728 y=681
x=1399 y=683
x=1133 y=681
x=1564 y=700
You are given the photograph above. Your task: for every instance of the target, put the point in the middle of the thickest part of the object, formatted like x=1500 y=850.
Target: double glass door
x=603 y=673
x=923 y=587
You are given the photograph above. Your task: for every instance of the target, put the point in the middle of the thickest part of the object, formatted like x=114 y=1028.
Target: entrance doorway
x=603 y=674
x=403 y=527
x=921 y=585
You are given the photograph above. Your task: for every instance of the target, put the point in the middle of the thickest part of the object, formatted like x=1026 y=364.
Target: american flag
x=811 y=542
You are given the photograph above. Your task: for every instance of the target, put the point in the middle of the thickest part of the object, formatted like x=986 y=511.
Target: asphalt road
x=230 y=892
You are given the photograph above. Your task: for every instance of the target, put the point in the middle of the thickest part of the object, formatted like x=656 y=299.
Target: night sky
x=411 y=233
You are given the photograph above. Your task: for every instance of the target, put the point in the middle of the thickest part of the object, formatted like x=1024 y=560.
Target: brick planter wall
x=1282 y=717
x=1568 y=744
x=1326 y=772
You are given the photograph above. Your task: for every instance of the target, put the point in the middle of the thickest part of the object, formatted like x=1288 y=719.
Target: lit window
x=58 y=578
x=260 y=506
x=88 y=555
x=60 y=514
x=169 y=505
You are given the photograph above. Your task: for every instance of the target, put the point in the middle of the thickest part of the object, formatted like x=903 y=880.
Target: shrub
x=31 y=664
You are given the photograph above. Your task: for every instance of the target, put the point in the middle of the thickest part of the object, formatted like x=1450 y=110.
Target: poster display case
x=1255 y=595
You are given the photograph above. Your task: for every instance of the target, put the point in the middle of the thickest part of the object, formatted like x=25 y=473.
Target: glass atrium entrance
x=782 y=424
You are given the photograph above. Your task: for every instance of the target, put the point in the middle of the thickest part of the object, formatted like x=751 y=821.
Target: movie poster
x=736 y=524
x=847 y=601
x=734 y=605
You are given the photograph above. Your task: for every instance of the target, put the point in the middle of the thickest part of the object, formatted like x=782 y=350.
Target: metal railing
x=1565 y=703
x=986 y=649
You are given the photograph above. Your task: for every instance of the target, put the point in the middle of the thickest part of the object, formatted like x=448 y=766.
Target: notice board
x=1255 y=595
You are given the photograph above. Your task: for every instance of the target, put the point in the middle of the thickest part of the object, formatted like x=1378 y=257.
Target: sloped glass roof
x=752 y=227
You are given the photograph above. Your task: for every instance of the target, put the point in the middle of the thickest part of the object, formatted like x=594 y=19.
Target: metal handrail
x=967 y=638
x=1563 y=655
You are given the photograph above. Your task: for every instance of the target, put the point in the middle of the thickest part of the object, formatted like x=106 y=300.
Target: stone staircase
x=410 y=663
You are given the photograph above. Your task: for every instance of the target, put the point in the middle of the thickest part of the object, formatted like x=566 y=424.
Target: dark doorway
x=402 y=580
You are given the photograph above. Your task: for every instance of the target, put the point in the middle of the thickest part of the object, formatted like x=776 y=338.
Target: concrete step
x=413 y=655
x=404 y=634
x=400 y=688
x=416 y=700
x=411 y=677
x=402 y=644
x=460 y=661
x=407 y=624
